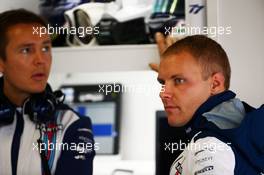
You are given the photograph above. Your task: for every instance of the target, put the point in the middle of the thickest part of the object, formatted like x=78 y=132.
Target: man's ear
x=218 y=83
x=2 y=67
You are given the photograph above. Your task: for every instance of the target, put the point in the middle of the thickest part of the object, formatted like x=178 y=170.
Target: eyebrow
x=176 y=76
x=25 y=45
x=31 y=44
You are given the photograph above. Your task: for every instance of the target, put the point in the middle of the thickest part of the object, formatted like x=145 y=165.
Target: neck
x=15 y=96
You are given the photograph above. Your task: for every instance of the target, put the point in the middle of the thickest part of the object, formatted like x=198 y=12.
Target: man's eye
x=46 y=49
x=25 y=50
x=179 y=80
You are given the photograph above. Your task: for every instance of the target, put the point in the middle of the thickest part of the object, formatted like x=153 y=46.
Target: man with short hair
x=39 y=134
x=195 y=74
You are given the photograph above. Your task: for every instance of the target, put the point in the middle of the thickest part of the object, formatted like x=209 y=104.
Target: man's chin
x=37 y=89
x=172 y=121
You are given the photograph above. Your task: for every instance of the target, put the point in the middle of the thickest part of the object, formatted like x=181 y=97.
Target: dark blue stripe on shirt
x=16 y=142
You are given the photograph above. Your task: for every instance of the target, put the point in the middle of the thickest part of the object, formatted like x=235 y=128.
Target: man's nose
x=39 y=58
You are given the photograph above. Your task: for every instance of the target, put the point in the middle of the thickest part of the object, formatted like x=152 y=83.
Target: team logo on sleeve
x=178 y=169
x=177 y=165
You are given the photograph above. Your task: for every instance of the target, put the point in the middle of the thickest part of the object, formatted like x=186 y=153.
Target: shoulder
x=73 y=123
x=68 y=116
x=210 y=154
x=208 y=144
x=205 y=155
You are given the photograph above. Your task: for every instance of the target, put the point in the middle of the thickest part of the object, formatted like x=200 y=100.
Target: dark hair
x=208 y=53
x=11 y=18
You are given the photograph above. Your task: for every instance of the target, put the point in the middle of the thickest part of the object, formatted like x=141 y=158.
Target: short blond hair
x=208 y=53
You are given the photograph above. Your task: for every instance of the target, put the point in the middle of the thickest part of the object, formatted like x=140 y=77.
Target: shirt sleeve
x=211 y=156
x=78 y=157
